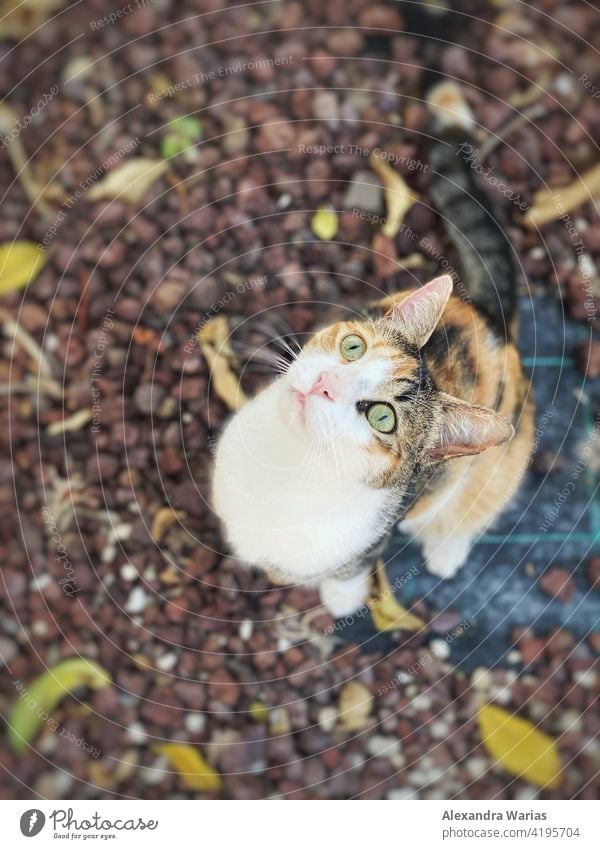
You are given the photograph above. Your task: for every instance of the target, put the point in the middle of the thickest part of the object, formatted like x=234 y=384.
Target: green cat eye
x=381 y=417
x=353 y=347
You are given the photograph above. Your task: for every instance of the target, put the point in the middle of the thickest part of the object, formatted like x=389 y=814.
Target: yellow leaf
x=74 y=422
x=398 y=197
x=213 y=339
x=189 y=763
x=521 y=749
x=259 y=712
x=355 y=706
x=325 y=223
x=387 y=614
x=38 y=700
x=129 y=181
x=20 y=17
x=162 y=521
x=551 y=204
x=20 y=264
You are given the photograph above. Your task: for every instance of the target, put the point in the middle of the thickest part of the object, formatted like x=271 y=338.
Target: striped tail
x=474 y=226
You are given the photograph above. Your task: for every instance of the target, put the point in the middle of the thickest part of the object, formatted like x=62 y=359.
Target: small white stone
x=167 y=661
x=481 y=678
x=39 y=628
x=156 y=773
x=585 y=677
x=109 y=552
x=514 y=656
x=422 y=702
x=403 y=678
x=128 y=572
x=121 y=531
x=137 y=734
x=440 y=648
x=195 y=722
x=569 y=720
x=439 y=729
x=137 y=601
x=328 y=717
x=476 y=767
x=150 y=574
x=538 y=253
x=40 y=582
x=399 y=793
x=246 y=629
x=564 y=84
x=502 y=695
x=380 y=746
x=526 y=794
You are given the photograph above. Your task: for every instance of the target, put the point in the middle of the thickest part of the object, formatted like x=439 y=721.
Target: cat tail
x=488 y=274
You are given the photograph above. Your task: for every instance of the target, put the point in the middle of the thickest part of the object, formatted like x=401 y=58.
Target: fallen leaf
x=398 y=197
x=129 y=181
x=191 y=766
x=74 y=422
x=20 y=264
x=162 y=521
x=355 y=704
x=170 y=576
x=324 y=223
x=37 y=701
x=521 y=749
x=35 y=190
x=387 y=614
x=551 y=204
x=213 y=340
x=259 y=712
x=21 y=17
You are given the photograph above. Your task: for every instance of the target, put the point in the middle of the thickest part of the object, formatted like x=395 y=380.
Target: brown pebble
x=558 y=584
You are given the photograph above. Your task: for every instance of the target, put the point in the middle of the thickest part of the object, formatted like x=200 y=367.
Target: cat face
x=363 y=386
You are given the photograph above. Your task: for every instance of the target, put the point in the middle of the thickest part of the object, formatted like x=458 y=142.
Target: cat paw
x=445 y=558
x=341 y=598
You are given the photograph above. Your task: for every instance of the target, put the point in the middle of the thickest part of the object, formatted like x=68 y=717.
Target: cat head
x=363 y=385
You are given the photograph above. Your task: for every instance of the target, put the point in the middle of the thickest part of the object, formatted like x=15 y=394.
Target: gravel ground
x=199 y=649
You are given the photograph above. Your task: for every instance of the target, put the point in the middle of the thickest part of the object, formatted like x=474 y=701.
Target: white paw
x=343 y=597
x=444 y=558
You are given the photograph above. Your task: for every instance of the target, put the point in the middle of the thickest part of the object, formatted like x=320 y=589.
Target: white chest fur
x=288 y=502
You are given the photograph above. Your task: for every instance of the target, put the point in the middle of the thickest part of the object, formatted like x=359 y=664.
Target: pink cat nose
x=327 y=385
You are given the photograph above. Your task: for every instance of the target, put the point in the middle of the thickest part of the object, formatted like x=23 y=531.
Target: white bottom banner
x=428 y=824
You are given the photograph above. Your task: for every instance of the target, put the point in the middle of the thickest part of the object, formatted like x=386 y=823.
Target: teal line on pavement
x=548 y=361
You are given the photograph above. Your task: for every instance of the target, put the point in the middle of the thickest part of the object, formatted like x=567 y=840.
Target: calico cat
x=417 y=413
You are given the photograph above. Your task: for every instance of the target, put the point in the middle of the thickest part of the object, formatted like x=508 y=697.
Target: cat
x=417 y=412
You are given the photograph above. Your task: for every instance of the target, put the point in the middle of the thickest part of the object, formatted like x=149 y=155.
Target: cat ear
x=468 y=429
x=420 y=312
